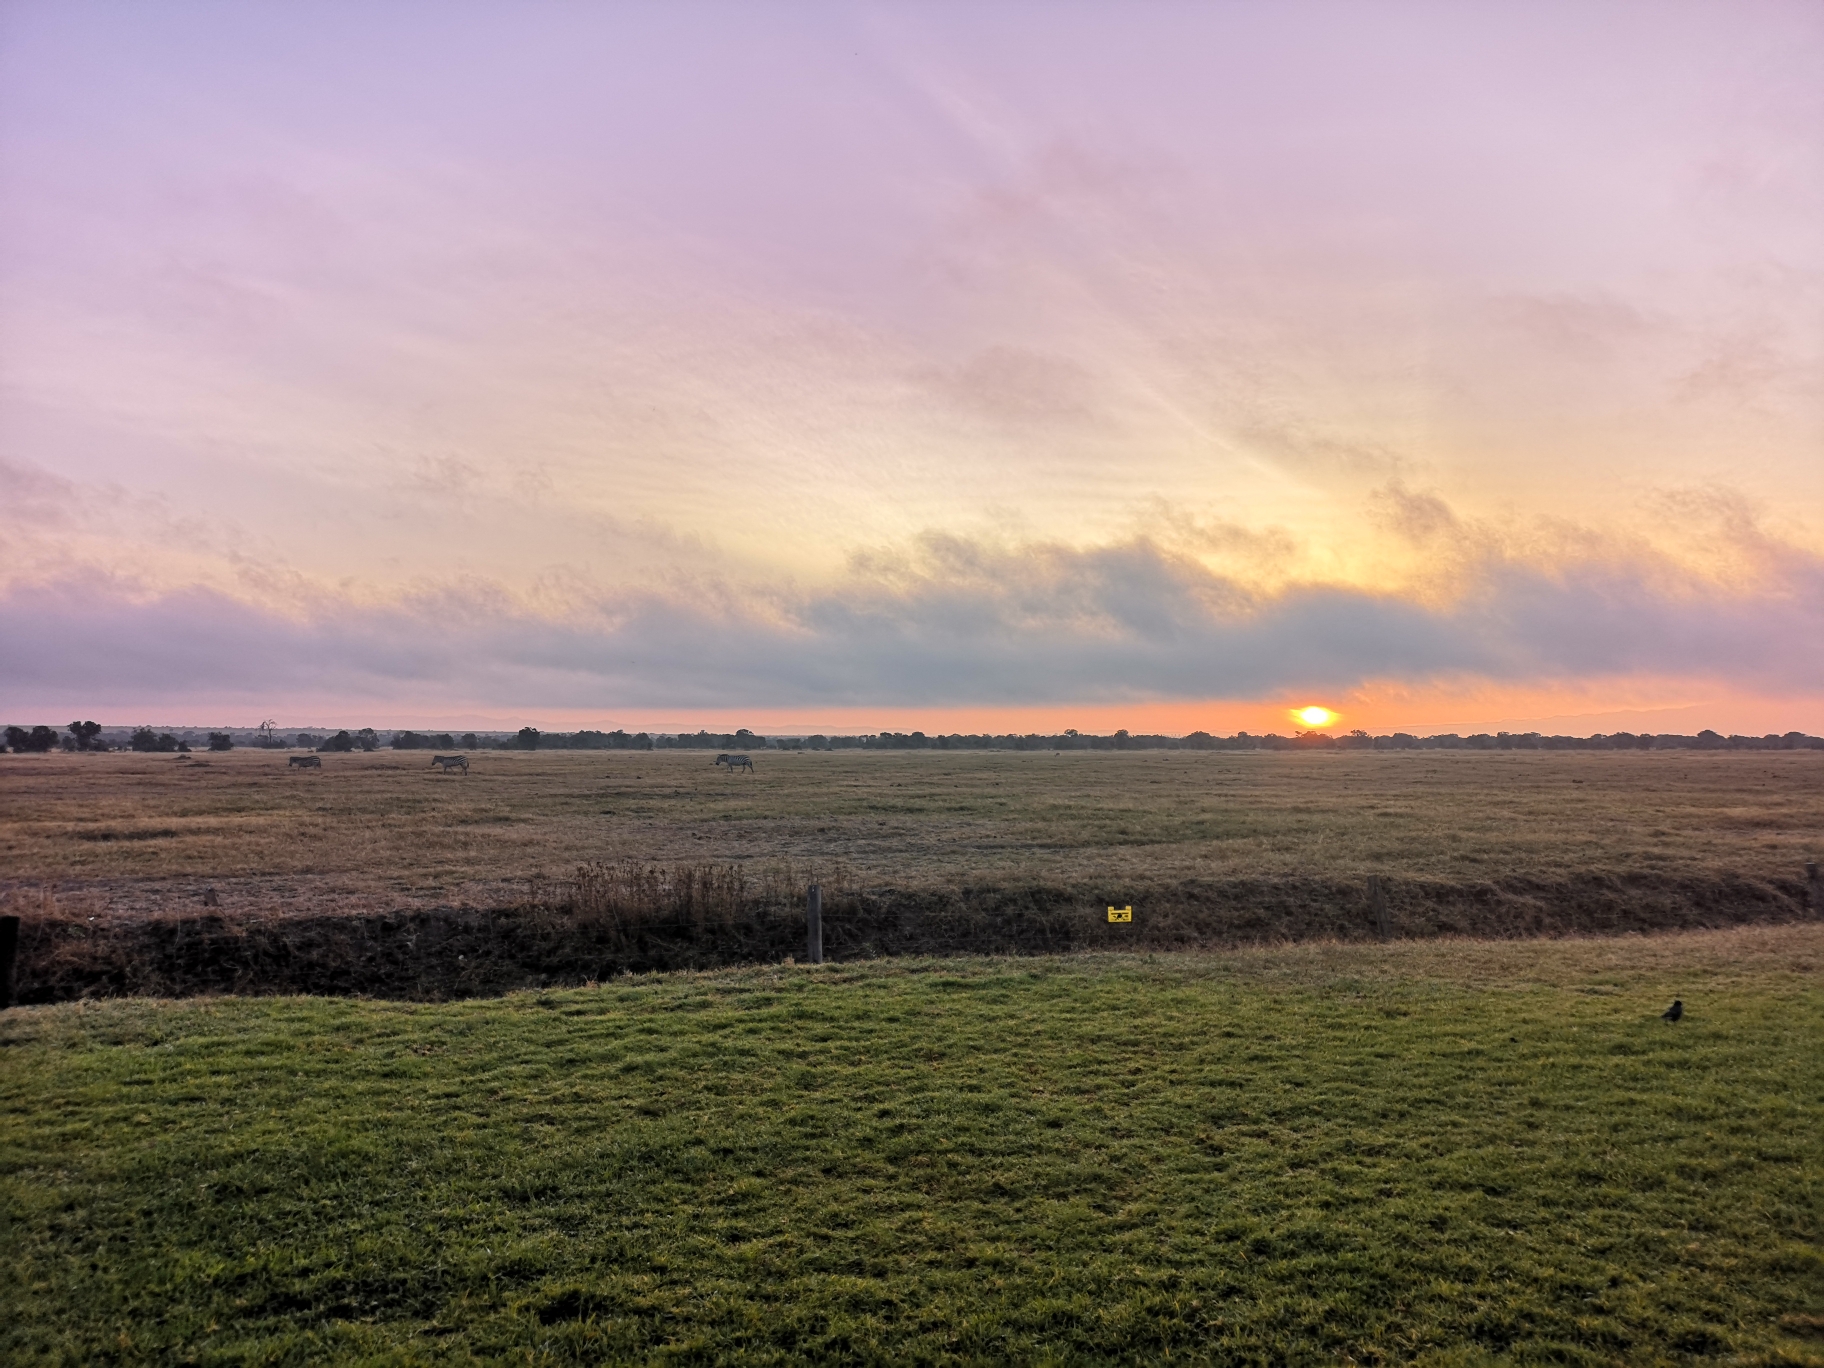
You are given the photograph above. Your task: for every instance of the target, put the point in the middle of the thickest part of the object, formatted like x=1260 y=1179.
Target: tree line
x=1071 y=739
x=530 y=738
x=86 y=736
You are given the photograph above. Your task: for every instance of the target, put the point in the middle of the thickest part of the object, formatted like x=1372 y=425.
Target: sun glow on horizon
x=1314 y=716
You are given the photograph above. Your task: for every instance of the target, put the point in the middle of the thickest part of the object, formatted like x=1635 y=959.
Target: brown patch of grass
x=382 y=830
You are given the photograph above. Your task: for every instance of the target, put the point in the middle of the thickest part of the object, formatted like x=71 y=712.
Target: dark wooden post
x=1814 y=889
x=813 y=924
x=9 y=956
x=1377 y=899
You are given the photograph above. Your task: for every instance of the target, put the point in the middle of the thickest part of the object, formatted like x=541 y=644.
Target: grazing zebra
x=450 y=762
x=307 y=761
x=735 y=762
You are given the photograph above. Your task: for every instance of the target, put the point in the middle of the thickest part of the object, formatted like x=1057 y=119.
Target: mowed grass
x=1448 y=1152
x=383 y=829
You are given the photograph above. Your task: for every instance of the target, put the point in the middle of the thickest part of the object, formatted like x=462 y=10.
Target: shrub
x=220 y=741
x=410 y=740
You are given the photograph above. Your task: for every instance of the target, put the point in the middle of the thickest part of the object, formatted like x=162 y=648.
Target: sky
x=845 y=367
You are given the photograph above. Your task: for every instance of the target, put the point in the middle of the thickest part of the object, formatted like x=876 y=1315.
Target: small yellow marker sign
x=1121 y=914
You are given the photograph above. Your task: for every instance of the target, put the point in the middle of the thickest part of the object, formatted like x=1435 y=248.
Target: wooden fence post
x=9 y=956
x=1377 y=899
x=813 y=924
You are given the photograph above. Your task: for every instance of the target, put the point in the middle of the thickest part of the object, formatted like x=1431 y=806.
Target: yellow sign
x=1121 y=914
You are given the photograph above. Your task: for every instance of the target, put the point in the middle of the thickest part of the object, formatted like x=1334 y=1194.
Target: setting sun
x=1314 y=716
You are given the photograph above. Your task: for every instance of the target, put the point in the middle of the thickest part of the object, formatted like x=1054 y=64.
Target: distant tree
x=221 y=741
x=527 y=738
x=86 y=734
x=411 y=740
x=37 y=740
x=306 y=740
x=145 y=739
x=469 y=742
x=341 y=741
x=368 y=739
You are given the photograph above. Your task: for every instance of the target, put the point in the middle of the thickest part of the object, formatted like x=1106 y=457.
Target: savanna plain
x=133 y=833
x=1443 y=1150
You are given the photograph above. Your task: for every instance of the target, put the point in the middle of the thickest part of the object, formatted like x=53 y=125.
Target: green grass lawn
x=1449 y=1152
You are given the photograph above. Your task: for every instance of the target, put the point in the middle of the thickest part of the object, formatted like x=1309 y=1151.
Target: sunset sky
x=995 y=366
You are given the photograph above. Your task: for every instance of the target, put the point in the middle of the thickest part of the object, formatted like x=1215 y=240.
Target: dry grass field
x=135 y=832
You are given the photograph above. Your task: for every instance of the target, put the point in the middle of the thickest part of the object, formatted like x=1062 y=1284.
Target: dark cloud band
x=959 y=624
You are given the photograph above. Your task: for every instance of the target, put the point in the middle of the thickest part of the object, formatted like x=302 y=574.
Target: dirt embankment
x=616 y=919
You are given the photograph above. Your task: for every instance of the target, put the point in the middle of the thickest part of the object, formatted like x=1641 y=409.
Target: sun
x=1314 y=716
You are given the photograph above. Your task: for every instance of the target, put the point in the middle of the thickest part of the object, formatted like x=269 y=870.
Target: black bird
x=1675 y=1011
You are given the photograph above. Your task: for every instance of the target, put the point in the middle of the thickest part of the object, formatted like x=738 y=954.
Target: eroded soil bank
x=568 y=934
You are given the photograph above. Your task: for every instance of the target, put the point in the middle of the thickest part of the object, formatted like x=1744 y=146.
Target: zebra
x=306 y=761
x=450 y=762
x=735 y=762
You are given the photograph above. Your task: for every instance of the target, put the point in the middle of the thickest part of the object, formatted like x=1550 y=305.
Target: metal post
x=813 y=924
x=9 y=956
x=1377 y=899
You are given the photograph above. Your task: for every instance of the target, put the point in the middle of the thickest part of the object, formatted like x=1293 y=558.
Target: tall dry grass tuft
x=627 y=894
x=48 y=902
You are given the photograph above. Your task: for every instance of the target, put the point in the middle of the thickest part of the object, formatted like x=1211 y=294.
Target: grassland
x=381 y=830
x=1441 y=1152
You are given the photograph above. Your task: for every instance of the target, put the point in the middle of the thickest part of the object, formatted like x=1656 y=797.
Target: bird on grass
x=1674 y=1012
